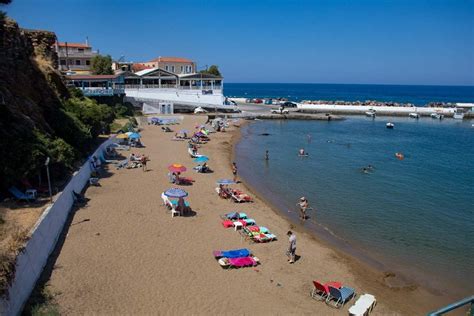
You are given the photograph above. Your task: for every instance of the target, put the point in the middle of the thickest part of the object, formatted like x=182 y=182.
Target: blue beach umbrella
x=201 y=159
x=176 y=193
x=225 y=181
x=134 y=136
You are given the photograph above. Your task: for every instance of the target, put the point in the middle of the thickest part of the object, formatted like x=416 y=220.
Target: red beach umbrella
x=176 y=167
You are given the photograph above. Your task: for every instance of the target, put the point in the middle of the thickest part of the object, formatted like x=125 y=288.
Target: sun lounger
x=256 y=229
x=238 y=262
x=320 y=291
x=193 y=155
x=28 y=195
x=263 y=237
x=363 y=306
x=122 y=164
x=338 y=297
x=237 y=253
x=239 y=196
x=234 y=215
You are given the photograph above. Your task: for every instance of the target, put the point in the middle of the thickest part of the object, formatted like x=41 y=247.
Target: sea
x=412 y=216
x=418 y=95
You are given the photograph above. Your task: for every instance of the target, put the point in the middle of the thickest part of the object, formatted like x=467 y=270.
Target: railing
x=101 y=92
x=71 y=54
x=453 y=306
x=170 y=86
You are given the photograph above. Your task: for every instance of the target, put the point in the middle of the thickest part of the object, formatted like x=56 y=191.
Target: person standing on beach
x=291 y=247
x=234 y=171
x=144 y=160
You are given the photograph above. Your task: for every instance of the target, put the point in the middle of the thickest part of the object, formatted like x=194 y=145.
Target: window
x=62 y=61
x=80 y=50
x=78 y=62
x=166 y=68
x=88 y=62
x=172 y=68
x=182 y=68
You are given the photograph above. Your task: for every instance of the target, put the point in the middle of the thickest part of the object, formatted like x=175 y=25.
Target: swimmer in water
x=301 y=152
x=266 y=155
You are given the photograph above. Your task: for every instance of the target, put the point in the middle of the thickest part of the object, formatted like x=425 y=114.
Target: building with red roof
x=176 y=65
x=75 y=57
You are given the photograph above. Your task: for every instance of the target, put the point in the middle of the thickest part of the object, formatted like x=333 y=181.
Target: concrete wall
x=44 y=235
x=360 y=109
x=176 y=96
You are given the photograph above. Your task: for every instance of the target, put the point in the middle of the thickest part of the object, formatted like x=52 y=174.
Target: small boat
x=437 y=116
x=458 y=114
x=390 y=125
x=370 y=113
x=414 y=115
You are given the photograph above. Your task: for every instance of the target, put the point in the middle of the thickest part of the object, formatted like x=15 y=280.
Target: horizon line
x=371 y=84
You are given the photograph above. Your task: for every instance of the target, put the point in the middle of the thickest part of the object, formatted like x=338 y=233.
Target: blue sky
x=331 y=41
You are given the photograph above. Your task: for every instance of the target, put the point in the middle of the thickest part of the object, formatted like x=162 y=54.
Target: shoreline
x=124 y=253
x=360 y=261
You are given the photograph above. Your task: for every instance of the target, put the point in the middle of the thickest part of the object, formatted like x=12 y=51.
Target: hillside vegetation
x=39 y=116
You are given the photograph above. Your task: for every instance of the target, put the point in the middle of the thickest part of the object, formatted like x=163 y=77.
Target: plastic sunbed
x=237 y=253
x=338 y=297
x=29 y=195
x=238 y=262
x=363 y=306
x=234 y=215
x=321 y=291
x=263 y=237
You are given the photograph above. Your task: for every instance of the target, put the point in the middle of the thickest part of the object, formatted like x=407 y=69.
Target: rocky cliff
x=31 y=93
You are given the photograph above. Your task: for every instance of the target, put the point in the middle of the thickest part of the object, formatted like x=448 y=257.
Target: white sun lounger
x=363 y=306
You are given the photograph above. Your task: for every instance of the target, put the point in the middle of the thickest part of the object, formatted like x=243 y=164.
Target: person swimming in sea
x=266 y=155
x=302 y=152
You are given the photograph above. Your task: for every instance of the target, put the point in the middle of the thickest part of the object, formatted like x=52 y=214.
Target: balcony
x=101 y=92
x=74 y=54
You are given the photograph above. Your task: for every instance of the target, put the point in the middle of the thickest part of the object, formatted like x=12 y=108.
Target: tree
x=213 y=70
x=102 y=65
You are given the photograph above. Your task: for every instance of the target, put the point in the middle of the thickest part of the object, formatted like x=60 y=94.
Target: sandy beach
x=125 y=254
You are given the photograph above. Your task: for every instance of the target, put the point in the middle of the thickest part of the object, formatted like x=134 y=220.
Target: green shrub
x=97 y=117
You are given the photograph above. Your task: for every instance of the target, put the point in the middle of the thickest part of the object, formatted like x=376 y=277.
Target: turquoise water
x=414 y=216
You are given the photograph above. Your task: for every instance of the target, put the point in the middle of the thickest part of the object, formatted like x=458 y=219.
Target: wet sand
x=125 y=254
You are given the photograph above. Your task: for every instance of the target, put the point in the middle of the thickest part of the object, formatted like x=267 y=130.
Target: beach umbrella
x=225 y=181
x=134 y=136
x=122 y=136
x=176 y=167
x=201 y=159
x=176 y=193
x=129 y=133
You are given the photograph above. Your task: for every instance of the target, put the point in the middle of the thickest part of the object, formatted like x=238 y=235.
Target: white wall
x=361 y=109
x=44 y=235
x=188 y=97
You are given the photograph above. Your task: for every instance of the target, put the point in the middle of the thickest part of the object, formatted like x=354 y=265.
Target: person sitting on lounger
x=181 y=206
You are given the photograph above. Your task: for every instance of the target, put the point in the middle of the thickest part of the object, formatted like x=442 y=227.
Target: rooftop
x=171 y=60
x=75 y=45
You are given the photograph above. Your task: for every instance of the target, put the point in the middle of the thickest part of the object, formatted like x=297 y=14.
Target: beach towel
x=242 y=262
x=227 y=223
x=237 y=253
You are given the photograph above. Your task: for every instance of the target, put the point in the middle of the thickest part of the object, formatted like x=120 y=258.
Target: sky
x=427 y=42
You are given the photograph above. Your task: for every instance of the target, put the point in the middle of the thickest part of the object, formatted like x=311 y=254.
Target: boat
x=458 y=114
x=437 y=116
x=390 y=125
x=414 y=115
x=370 y=113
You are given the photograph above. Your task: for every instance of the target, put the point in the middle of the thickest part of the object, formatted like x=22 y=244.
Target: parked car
x=280 y=111
x=258 y=101
x=199 y=110
x=288 y=104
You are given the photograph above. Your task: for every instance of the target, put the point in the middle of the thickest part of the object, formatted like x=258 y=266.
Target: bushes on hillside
x=97 y=117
